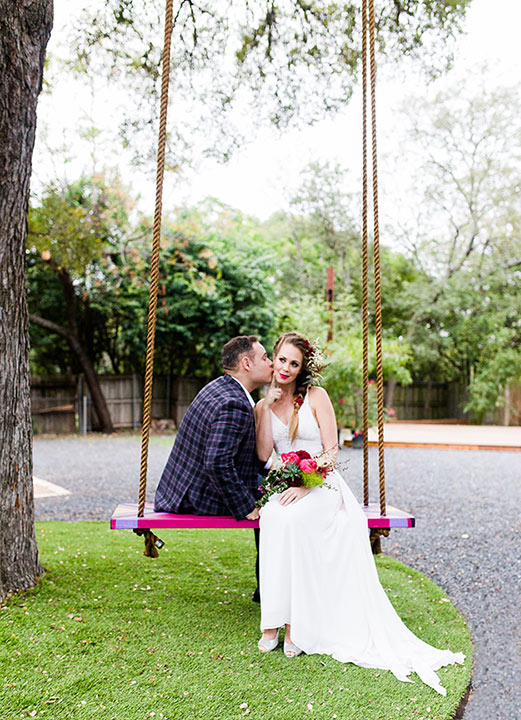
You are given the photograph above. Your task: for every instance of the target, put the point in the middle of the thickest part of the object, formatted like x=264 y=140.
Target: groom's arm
x=225 y=436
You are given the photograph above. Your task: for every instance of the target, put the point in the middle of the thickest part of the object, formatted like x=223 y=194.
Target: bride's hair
x=304 y=378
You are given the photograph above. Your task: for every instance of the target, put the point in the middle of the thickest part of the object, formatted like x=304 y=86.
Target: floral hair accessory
x=297 y=401
x=315 y=361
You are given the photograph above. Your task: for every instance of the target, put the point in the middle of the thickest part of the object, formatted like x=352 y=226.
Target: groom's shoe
x=256 y=596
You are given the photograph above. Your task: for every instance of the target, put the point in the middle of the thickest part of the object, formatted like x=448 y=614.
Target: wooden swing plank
x=125 y=518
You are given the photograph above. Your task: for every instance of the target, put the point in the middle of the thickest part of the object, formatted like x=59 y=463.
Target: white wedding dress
x=318 y=574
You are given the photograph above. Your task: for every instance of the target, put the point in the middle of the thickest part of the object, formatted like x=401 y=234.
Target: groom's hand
x=254 y=515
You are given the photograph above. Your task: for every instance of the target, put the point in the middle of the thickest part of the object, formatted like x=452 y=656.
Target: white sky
x=261 y=177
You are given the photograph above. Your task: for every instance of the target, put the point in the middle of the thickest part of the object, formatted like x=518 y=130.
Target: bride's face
x=287 y=364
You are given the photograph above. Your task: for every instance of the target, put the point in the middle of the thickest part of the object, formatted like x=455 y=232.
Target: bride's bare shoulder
x=258 y=407
x=318 y=398
x=317 y=393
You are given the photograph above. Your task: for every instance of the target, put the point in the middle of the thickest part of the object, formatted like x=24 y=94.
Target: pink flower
x=391 y=411
x=372 y=382
x=289 y=457
x=308 y=465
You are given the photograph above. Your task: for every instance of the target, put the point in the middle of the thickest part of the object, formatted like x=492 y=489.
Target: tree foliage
x=288 y=62
x=464 y=240
x=83 y=237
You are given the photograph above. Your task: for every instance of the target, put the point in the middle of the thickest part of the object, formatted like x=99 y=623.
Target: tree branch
x=49 y=325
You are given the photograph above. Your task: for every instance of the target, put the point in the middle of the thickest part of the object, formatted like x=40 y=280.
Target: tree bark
x=24 y=33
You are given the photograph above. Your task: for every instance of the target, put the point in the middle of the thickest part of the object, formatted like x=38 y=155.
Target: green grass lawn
x=109 y=633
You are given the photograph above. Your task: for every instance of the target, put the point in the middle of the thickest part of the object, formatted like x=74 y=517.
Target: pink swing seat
x=125 y=518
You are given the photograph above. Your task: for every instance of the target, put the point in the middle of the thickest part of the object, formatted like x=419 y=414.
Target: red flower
x=341 y=401
x=295 y=483
x=303 y=454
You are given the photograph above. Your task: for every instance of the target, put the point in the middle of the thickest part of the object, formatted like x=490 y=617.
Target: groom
x=213 y=467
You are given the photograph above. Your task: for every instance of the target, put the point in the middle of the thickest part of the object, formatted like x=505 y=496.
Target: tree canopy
x=289 y=62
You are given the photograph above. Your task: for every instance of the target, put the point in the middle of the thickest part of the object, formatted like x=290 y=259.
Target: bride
x=317 y=573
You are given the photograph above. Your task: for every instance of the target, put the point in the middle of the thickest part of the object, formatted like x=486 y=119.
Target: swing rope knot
x=152 y=543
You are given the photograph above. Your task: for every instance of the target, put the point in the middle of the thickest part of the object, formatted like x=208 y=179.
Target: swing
x=381 y=517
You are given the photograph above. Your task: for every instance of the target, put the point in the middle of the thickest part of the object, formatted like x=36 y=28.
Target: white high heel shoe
x=290 y=648
x=268 y=645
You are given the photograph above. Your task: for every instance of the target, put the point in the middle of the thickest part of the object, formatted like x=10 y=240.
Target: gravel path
x=467 y=536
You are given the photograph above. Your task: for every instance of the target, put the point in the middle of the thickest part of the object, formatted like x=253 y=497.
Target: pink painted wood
x=125 y=517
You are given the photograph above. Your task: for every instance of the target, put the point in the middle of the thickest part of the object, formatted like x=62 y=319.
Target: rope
x=154 y=268
x=368 y=27
x=365 y=276
x=377 y=283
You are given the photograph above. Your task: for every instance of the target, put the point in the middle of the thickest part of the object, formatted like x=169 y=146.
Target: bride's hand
x=274 y=393
x=293 y=495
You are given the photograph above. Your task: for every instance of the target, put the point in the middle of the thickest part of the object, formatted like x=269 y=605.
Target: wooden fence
x=54 y=404
x=429 y=401
x=63 y=404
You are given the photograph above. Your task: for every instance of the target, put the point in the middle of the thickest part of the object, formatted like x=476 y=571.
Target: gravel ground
x=467 y=506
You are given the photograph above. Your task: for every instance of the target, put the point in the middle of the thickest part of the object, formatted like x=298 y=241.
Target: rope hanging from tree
x=154 y=268
x=368 y=30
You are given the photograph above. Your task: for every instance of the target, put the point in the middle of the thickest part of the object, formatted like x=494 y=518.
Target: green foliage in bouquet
x=297 y=469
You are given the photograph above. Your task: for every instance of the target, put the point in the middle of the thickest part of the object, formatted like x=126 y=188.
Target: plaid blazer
x=213 y=467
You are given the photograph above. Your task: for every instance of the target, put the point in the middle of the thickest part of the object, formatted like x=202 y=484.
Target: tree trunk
x=24 y=32
x=98 y=399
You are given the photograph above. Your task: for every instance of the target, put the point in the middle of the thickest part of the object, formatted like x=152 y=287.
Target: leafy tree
x=24 y=33
x=70 y=231
x=325 y=220
x=343 y=378
x=212 y=286
x=464 y=240
x=205 y=298
x=271 y=57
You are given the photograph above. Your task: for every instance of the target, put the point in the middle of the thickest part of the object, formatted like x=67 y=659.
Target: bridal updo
x=308 y=372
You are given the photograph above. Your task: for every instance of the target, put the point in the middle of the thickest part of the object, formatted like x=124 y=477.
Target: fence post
x=85 y=400
x=168 y=394
x=134 y=401
x=80 y=409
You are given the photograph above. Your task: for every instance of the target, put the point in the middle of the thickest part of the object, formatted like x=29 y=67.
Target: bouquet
x=296 y=469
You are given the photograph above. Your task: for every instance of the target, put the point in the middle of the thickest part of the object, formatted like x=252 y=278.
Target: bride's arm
x=325 y=415
x=263 y=431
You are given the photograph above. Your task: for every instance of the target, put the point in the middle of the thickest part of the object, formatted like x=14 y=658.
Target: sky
x=262 y=176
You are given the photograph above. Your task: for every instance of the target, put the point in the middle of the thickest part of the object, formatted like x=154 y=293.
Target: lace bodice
x=308 y=436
